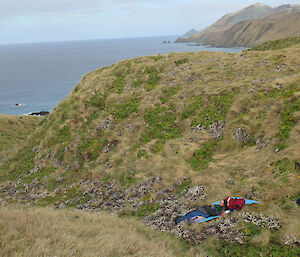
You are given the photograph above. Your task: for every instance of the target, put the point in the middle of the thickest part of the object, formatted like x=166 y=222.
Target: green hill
x=155 y=136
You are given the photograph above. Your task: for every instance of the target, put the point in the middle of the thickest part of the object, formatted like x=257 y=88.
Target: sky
x=24 y=21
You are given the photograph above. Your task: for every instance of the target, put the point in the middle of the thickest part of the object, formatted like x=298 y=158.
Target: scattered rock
x=278 y=85
x=57 y=163
x=151 y=192
x=292 y=241
x=36 y=149
x=185 y=68
x=42 y=113
x=34 y=170
x=198 y=128
x=260 y=142
x=106 y=125
x=130 y=128
x=61 y=205
x=50 y=155
x=173 y=83
x=172 y=74
x=280 y=68
x=216 y=130
x=240 y=135
x=196 y=191
x=67 y=149
x=110 y=146
x=108 y=165
x=260 y=220
x=191 y=139
x=230 y=181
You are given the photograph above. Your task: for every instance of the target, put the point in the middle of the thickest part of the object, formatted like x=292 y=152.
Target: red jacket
x=234 y=204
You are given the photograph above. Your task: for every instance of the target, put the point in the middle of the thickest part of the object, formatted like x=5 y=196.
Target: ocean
x=35 y=77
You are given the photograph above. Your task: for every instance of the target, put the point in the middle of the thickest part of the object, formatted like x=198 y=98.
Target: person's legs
x=189 y=216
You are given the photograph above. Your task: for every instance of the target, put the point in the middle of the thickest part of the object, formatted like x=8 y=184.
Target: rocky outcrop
x=240 y=135
x=157 y=204
x=41 y=113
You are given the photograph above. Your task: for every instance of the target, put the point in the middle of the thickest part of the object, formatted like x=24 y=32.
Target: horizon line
x=81 y=40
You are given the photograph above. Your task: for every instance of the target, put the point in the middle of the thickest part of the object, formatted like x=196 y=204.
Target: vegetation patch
x=214 y=110
x=127 y=178
x=291 y=104
x=98 y=101
x=230 y=249
x=92 y=147
x=39 y=174
x=161 y=124
x=125 y=109
x=152 y=78
x=21 y=163
x=185 y=184
x=288 y=121
x=142 y=210
x=157 y=57
x=142 y=153
x=277 y=44
x=118 y=84
x=92 y=117
x=193 y=105
x=61 y=196
x=167 y=93
x=181 y=61
x=250 y=230
x=63 y=135
x=157 y=146
x=203 y=156
x=283 y=166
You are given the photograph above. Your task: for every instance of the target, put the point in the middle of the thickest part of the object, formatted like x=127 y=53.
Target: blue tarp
x=247 y=201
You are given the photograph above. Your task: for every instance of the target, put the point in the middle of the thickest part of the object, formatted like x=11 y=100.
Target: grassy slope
x=163 y=98
x=14 y=131
x=49 y=232
x=277 y=44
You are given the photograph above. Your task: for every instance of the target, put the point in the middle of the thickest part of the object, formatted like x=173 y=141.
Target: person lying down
x=202 y=212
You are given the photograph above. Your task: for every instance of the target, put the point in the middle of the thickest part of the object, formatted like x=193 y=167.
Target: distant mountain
x=254 y=11
x=190 y=33
x=251 y=26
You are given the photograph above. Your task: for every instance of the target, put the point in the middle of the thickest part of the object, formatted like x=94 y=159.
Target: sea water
x=35 y=77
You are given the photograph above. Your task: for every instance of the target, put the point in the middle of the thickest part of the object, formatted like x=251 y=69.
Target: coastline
x=36 y=87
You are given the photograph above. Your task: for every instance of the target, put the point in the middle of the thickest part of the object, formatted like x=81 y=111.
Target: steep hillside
x=251 y=26
x=251 y=12
x=190 y=33
x=14 y=131
x=155 y=136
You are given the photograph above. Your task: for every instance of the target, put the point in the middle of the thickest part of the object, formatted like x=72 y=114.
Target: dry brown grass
x=14 y=131
x=49 y=232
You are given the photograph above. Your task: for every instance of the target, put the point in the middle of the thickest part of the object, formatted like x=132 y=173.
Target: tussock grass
x=155 y=106
x=14 y=131
x=49 y=232
x=277 y=44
